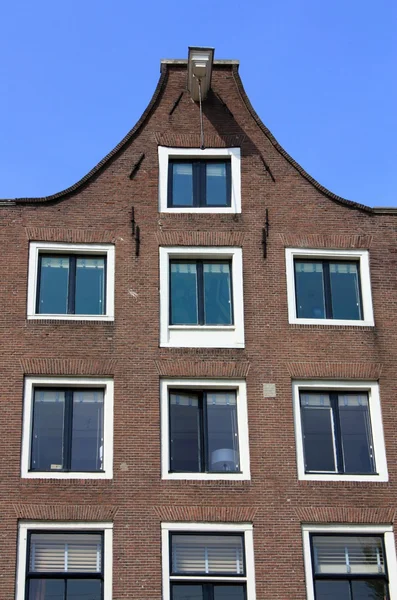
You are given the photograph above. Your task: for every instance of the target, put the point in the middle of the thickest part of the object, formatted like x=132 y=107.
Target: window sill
x=63 y=475
x=202 y=327
x=203 y=210
x=332 y=322
x=51 y=317
x=336 y=477
x=207 y=476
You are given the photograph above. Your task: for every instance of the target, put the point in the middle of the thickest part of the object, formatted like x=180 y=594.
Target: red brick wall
x=100 y=211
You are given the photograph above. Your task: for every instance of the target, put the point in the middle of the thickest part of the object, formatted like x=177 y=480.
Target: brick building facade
x=309 y=378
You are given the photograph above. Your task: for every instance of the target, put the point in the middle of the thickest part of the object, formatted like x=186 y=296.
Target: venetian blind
x=348 y=554
x=65 y=552
x=207 y=554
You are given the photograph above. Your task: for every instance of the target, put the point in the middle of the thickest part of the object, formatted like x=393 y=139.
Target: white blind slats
x=65 y=553
x=348 y=555
x=207 y=555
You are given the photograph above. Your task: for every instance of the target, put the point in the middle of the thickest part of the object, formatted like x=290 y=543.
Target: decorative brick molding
x=66 y=366
x=200 y=238
x=75 y=236
x=342 y=514
x=202 y=368
x=334 y=370
x=291 y=240
x=206 y=514
x=65 y=512
x=174 y=140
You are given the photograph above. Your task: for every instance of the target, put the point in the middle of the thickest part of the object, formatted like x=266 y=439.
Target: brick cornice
x=65 y=512
x=206 y=514
x=66 y=366
x=342 y=514
x=185 y=140
x=200 y=238
x=202 y=368
x=292 y=240
x=334 y=370
x=76 y=236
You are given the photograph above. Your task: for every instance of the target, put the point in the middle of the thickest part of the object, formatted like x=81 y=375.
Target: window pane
x=65 y=552
x=187 y=592
x=90 y=286
x=229 y=592
x=222 y=438
x=46 y=589
x=332 y=590
x=356 y=433
x=309 y=284
x=84 y=589
x=369 y=590
x=345 y=290
x=87 y=430
x=350 y=554
x=207 y=554
x=183 y=293
x=182 y=184
x=53 y=285
x=47 y=431
x=216 y=184
x=317 y=429
x=217 y=294
x=185 y=432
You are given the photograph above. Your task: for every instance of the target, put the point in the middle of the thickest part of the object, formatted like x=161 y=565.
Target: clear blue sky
x=75 y=75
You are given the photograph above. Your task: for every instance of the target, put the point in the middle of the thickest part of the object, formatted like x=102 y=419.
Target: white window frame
x=361 y=255
x=390 y=550
x=195 y=153
x=74 y=527
x=193 y=528
x=71 y=382
x=237 y=385
x=202 y=336
x=37 y=248
x=375 y=412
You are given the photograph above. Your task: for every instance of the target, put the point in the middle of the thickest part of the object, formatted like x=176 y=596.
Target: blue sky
x=76 y=75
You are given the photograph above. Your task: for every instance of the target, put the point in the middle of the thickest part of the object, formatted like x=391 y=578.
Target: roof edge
x=297 y=166
x=184 y=61
x=95 y=170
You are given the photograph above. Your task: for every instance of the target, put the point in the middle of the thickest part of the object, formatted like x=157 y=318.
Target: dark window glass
x=229 y=592
x=47 y=589
x=84 y=589
x=349 y=567
x=185 y=432
x=203 y=432
x=207 y=591
x=217 y=294
x=199 y=183
x=327 y=290
x=337 y=434
x=200 y=293
x=53 y=285
x=71 y=285
x=187 y=592
x=67 y=433
x=183 y=293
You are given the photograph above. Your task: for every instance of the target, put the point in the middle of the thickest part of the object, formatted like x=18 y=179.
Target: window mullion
x=196 y=173
x=68 y=428
x=327 y=290
x=72 y=285
x=200 y=292
x=338 y=433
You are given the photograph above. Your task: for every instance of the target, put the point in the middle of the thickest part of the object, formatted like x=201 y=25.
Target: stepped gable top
x=165 y=64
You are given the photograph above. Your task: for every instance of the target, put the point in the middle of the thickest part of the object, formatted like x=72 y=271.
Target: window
x=64 y=561
x=328 y=286
x=204 y=429
x=194 y=183
x=208 y=562
x=194 y=180
x=71 y=281
x=350 y=562
x=200 y=292
x=339 y=433
x=201 y=297
x=68 y=428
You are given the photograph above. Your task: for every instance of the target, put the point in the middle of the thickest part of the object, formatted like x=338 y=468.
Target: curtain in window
x=207 y=554
x=348 y=555
x=63 y=552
